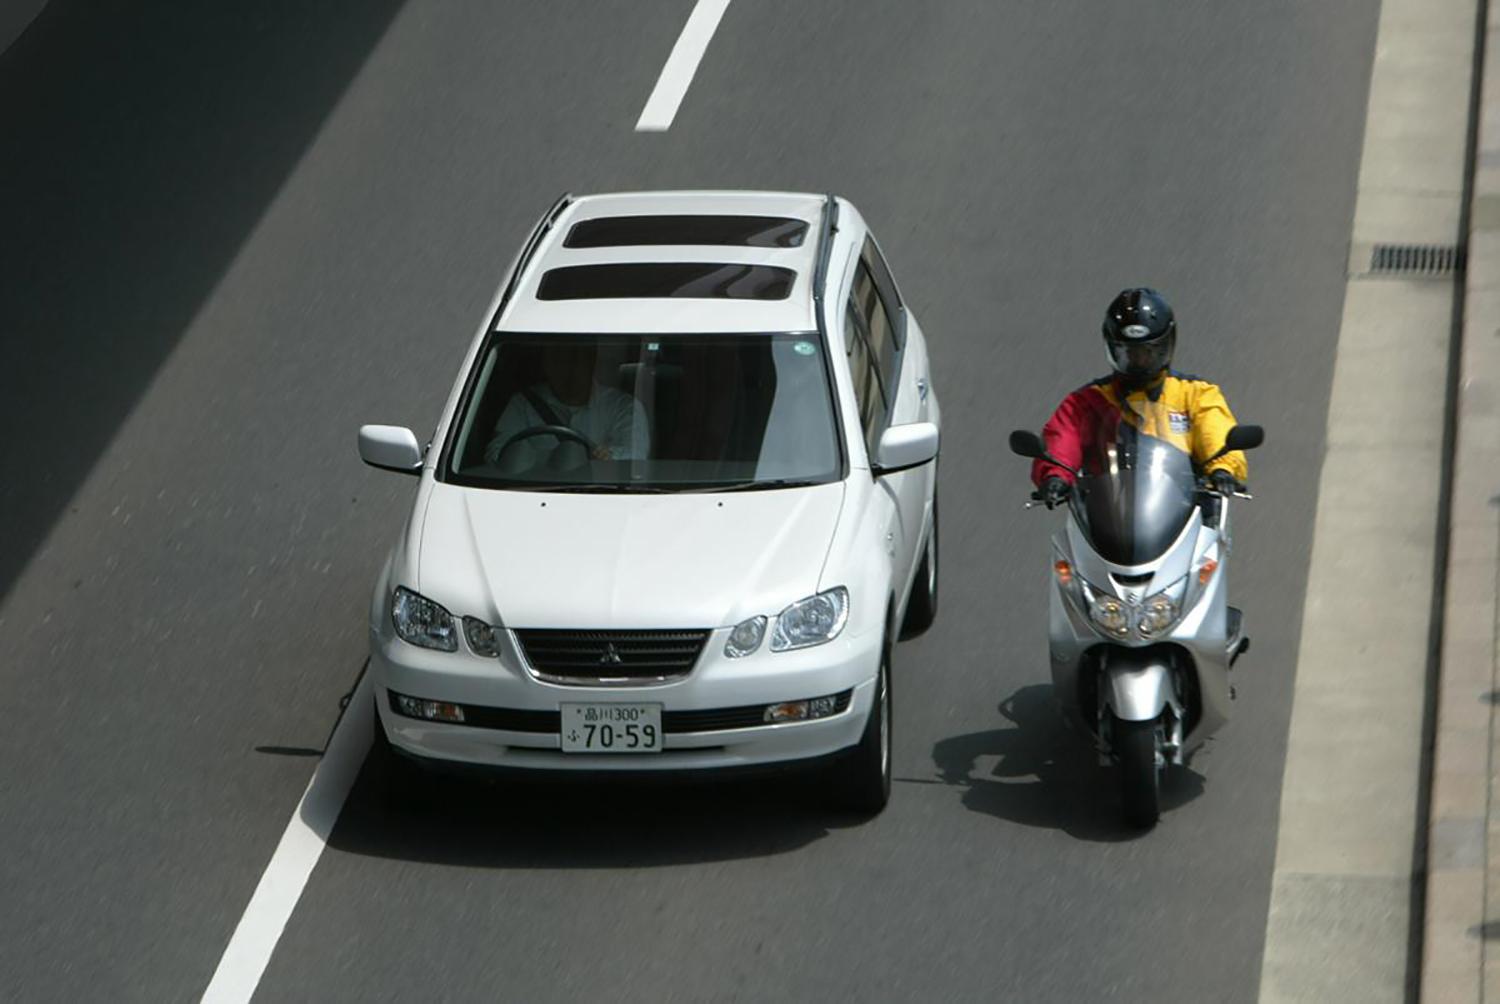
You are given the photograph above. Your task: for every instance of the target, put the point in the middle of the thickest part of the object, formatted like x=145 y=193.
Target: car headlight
x=812 y=621
x=1157 y=615
x=419 y=621
x=483 y=639
x=1110 y=613
x=745 y=638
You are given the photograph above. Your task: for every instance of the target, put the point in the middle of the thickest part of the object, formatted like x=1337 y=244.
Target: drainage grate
x=1429 y=261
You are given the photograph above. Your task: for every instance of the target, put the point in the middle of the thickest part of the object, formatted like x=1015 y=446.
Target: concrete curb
x=1461 y=958
x=1345 y=916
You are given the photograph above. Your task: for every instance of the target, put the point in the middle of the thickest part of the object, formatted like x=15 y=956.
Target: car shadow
x=504 y=823
x=1045 y=775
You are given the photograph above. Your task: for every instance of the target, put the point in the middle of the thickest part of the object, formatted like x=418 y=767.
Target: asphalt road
x=234 y=234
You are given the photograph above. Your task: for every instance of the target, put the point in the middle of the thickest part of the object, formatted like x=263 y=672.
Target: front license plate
x=611 y=728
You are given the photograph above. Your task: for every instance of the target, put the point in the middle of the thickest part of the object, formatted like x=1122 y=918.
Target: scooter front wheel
x=1140 y=776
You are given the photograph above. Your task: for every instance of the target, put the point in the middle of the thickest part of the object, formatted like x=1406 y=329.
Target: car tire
x=862 y=782
x=921 y=608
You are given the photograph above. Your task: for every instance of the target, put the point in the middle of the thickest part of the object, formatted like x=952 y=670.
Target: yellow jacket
x=1188 y=412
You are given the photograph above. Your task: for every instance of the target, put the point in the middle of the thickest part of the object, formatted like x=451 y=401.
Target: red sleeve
x=1063 y=435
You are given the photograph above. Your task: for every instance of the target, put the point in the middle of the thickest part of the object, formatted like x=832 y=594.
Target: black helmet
x=1140 y=334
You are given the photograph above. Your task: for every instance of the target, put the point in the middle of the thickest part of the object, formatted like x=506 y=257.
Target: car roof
x=773 y=290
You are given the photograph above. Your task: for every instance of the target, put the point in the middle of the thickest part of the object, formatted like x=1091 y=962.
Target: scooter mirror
x=1241 y=437
x=1027 y=444
x=1245 y=437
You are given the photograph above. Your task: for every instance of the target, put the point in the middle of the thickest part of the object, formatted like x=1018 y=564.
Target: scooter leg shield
x=1137 y=690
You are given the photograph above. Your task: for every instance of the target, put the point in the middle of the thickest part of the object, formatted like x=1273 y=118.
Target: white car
x=678 y=508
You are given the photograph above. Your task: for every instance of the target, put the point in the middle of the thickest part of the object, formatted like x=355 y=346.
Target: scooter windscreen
x=1135 y=492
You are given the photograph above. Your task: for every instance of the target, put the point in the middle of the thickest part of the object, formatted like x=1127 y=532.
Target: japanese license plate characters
x=611 y=728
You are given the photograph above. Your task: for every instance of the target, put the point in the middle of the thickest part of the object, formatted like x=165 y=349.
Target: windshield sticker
x=804 y=348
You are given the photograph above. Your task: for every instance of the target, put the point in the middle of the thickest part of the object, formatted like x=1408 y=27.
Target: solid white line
x=301 y=845
x=661 y=107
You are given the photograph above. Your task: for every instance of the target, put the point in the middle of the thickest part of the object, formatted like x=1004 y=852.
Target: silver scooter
x=1141 y=637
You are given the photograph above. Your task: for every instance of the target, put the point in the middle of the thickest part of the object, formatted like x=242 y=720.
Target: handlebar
x=1034 y=500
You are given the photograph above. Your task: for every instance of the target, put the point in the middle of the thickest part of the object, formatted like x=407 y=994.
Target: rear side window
x=869 y=395
x=873 y=263
x=696 y=280
x=878 y=328
x=731 y=231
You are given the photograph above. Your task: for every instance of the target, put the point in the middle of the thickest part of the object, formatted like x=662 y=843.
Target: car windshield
x=577 y=412
x=1135 y=492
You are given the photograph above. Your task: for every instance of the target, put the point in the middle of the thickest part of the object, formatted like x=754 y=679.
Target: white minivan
x=679 y=506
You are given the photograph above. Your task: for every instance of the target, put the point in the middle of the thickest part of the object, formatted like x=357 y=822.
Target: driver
x=613 y=422
x=1140 y=334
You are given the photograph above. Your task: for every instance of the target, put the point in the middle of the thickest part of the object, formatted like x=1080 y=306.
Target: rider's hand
x=1223 y=482
x=1055 y=491
x=600 y=453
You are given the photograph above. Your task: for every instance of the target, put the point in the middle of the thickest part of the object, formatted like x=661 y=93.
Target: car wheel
x=863 y=781
x=921 y=609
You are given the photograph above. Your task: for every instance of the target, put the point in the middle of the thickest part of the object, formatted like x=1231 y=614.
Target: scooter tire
x=1140 y=778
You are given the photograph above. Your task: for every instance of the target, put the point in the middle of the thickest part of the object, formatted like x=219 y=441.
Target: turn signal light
x=1064 y=572
x=801 y=711
x=1206 y=571
x=432 y=711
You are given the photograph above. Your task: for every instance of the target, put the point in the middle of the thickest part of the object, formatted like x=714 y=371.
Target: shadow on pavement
x=142 y=143
x=1043 y=774
x=583 y=824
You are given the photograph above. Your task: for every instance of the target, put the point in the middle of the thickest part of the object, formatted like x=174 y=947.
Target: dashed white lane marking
x=301 y=845
x=661 y=107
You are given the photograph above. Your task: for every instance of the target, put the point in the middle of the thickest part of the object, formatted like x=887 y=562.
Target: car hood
x=529 y=559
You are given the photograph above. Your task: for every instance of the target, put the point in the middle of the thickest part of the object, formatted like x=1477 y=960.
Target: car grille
x=595 y=658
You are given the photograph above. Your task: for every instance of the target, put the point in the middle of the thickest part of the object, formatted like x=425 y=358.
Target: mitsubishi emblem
x=611 y=656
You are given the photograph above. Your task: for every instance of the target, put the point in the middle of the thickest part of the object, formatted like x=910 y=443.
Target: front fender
x=1137 y=685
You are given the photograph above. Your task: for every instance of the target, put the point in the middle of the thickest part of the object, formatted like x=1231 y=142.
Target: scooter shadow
x=1045 y=775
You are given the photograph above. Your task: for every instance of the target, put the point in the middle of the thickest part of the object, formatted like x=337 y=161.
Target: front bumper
x=506 y=685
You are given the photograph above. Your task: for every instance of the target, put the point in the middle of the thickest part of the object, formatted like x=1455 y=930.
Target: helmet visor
x=1140 y=358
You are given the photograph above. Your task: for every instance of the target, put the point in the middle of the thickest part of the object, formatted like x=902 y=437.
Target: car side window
x=875 y=293
x=868 y=392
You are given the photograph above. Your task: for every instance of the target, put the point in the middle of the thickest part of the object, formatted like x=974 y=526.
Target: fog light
x=822 y=707
x=432 y=711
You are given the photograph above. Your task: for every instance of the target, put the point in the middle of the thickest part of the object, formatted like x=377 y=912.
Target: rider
x=1140 y=334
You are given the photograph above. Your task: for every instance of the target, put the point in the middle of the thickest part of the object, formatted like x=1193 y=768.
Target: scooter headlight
x=1110 y=613
x=1157 y=615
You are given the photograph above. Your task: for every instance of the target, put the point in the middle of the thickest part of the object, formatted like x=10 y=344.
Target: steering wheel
x=560 y=431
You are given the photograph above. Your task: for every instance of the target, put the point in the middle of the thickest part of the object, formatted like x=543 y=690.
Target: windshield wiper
x=750 y=486
x=577 y=489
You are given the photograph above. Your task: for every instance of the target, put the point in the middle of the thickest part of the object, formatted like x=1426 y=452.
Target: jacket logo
x=611 y=656
x=1179 y=422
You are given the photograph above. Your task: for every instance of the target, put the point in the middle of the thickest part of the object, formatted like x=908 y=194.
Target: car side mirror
x=1241 y=437
x=1025 y=443
x=391 y=448
x=903 y=447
